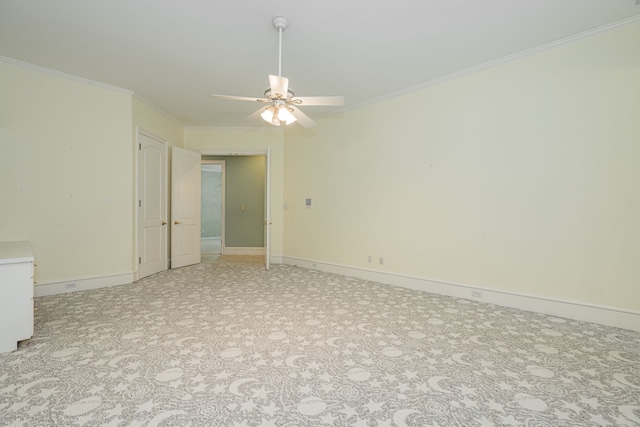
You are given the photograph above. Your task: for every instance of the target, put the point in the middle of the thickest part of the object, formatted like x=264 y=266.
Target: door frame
x=136 y=196
x=266 y=153
x=267 y=210
x=223 y=199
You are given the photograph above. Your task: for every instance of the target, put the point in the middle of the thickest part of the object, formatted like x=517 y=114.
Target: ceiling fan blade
x=239 y=98
x=304 y=120
x=279 y=85
x=319 y=100
x=256 y=115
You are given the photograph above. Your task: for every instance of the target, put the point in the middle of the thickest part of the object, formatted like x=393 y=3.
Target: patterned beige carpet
x=230 y=344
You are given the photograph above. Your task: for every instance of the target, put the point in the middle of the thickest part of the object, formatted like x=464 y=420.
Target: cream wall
x=65 y=173
x=521 y=178
x=161 y=125
x=249 y=141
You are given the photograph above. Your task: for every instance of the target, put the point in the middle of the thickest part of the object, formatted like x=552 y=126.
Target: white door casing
x=185 y=207
x=152 y=205
x=267 y=214
x=267 y=210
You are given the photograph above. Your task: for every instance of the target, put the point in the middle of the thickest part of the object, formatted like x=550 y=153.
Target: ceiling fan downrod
x=280 y=23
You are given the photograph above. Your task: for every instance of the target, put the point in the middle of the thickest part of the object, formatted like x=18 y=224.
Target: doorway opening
x=244 y=207
x=212 y=207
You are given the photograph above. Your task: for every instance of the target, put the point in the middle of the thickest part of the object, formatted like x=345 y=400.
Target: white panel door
x=267 y=211
x=152 y=205
x=185 y=207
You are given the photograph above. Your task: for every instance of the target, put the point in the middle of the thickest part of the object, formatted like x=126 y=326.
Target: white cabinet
x=16 y=294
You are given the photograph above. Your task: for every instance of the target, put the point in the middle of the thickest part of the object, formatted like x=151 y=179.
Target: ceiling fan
x=282 y=108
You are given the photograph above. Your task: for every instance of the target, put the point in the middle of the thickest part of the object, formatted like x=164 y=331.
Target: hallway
x=211 y=248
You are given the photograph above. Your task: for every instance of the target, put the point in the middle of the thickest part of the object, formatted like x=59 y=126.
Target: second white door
x=185 y=207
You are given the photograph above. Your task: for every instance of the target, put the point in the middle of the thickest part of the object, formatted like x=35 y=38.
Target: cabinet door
x=16 y=306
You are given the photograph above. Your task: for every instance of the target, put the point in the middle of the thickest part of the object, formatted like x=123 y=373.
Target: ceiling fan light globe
x=291 y=119
x=268 y=114
x=283 y=113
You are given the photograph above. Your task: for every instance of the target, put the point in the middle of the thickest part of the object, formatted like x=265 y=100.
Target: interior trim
x=243 y=250
x=64 y=75
x=496 y=62
x=85 y=284
x=609 y=316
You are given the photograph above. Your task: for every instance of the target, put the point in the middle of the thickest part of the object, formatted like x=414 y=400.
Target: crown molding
x=157 y=109
x=63 y=75
x=499 y=61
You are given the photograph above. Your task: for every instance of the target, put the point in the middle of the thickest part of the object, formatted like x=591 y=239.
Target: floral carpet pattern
x=231 y=344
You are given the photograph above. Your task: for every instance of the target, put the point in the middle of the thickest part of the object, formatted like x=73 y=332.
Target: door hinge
x=139 y=203
x=139 y=145
x=139 y=260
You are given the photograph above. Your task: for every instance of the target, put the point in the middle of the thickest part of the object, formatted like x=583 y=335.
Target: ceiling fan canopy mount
x=280 y=23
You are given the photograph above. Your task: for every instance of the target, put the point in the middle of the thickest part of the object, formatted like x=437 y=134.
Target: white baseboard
x=76 y=285
x=243 y=251
x=609 y=316
x=67 y=286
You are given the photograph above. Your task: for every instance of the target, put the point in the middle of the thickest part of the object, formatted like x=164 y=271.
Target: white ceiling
x=174 y=54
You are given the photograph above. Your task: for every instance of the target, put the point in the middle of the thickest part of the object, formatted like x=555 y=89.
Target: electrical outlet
x=476 y=294
x=369 y=259
x=381 y=260
x=70 y=286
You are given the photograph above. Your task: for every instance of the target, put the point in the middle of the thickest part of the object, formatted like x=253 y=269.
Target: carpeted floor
x=228 y=343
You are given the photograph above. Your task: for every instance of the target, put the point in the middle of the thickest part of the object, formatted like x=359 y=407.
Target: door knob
x=177 y=222
x=164 y=222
